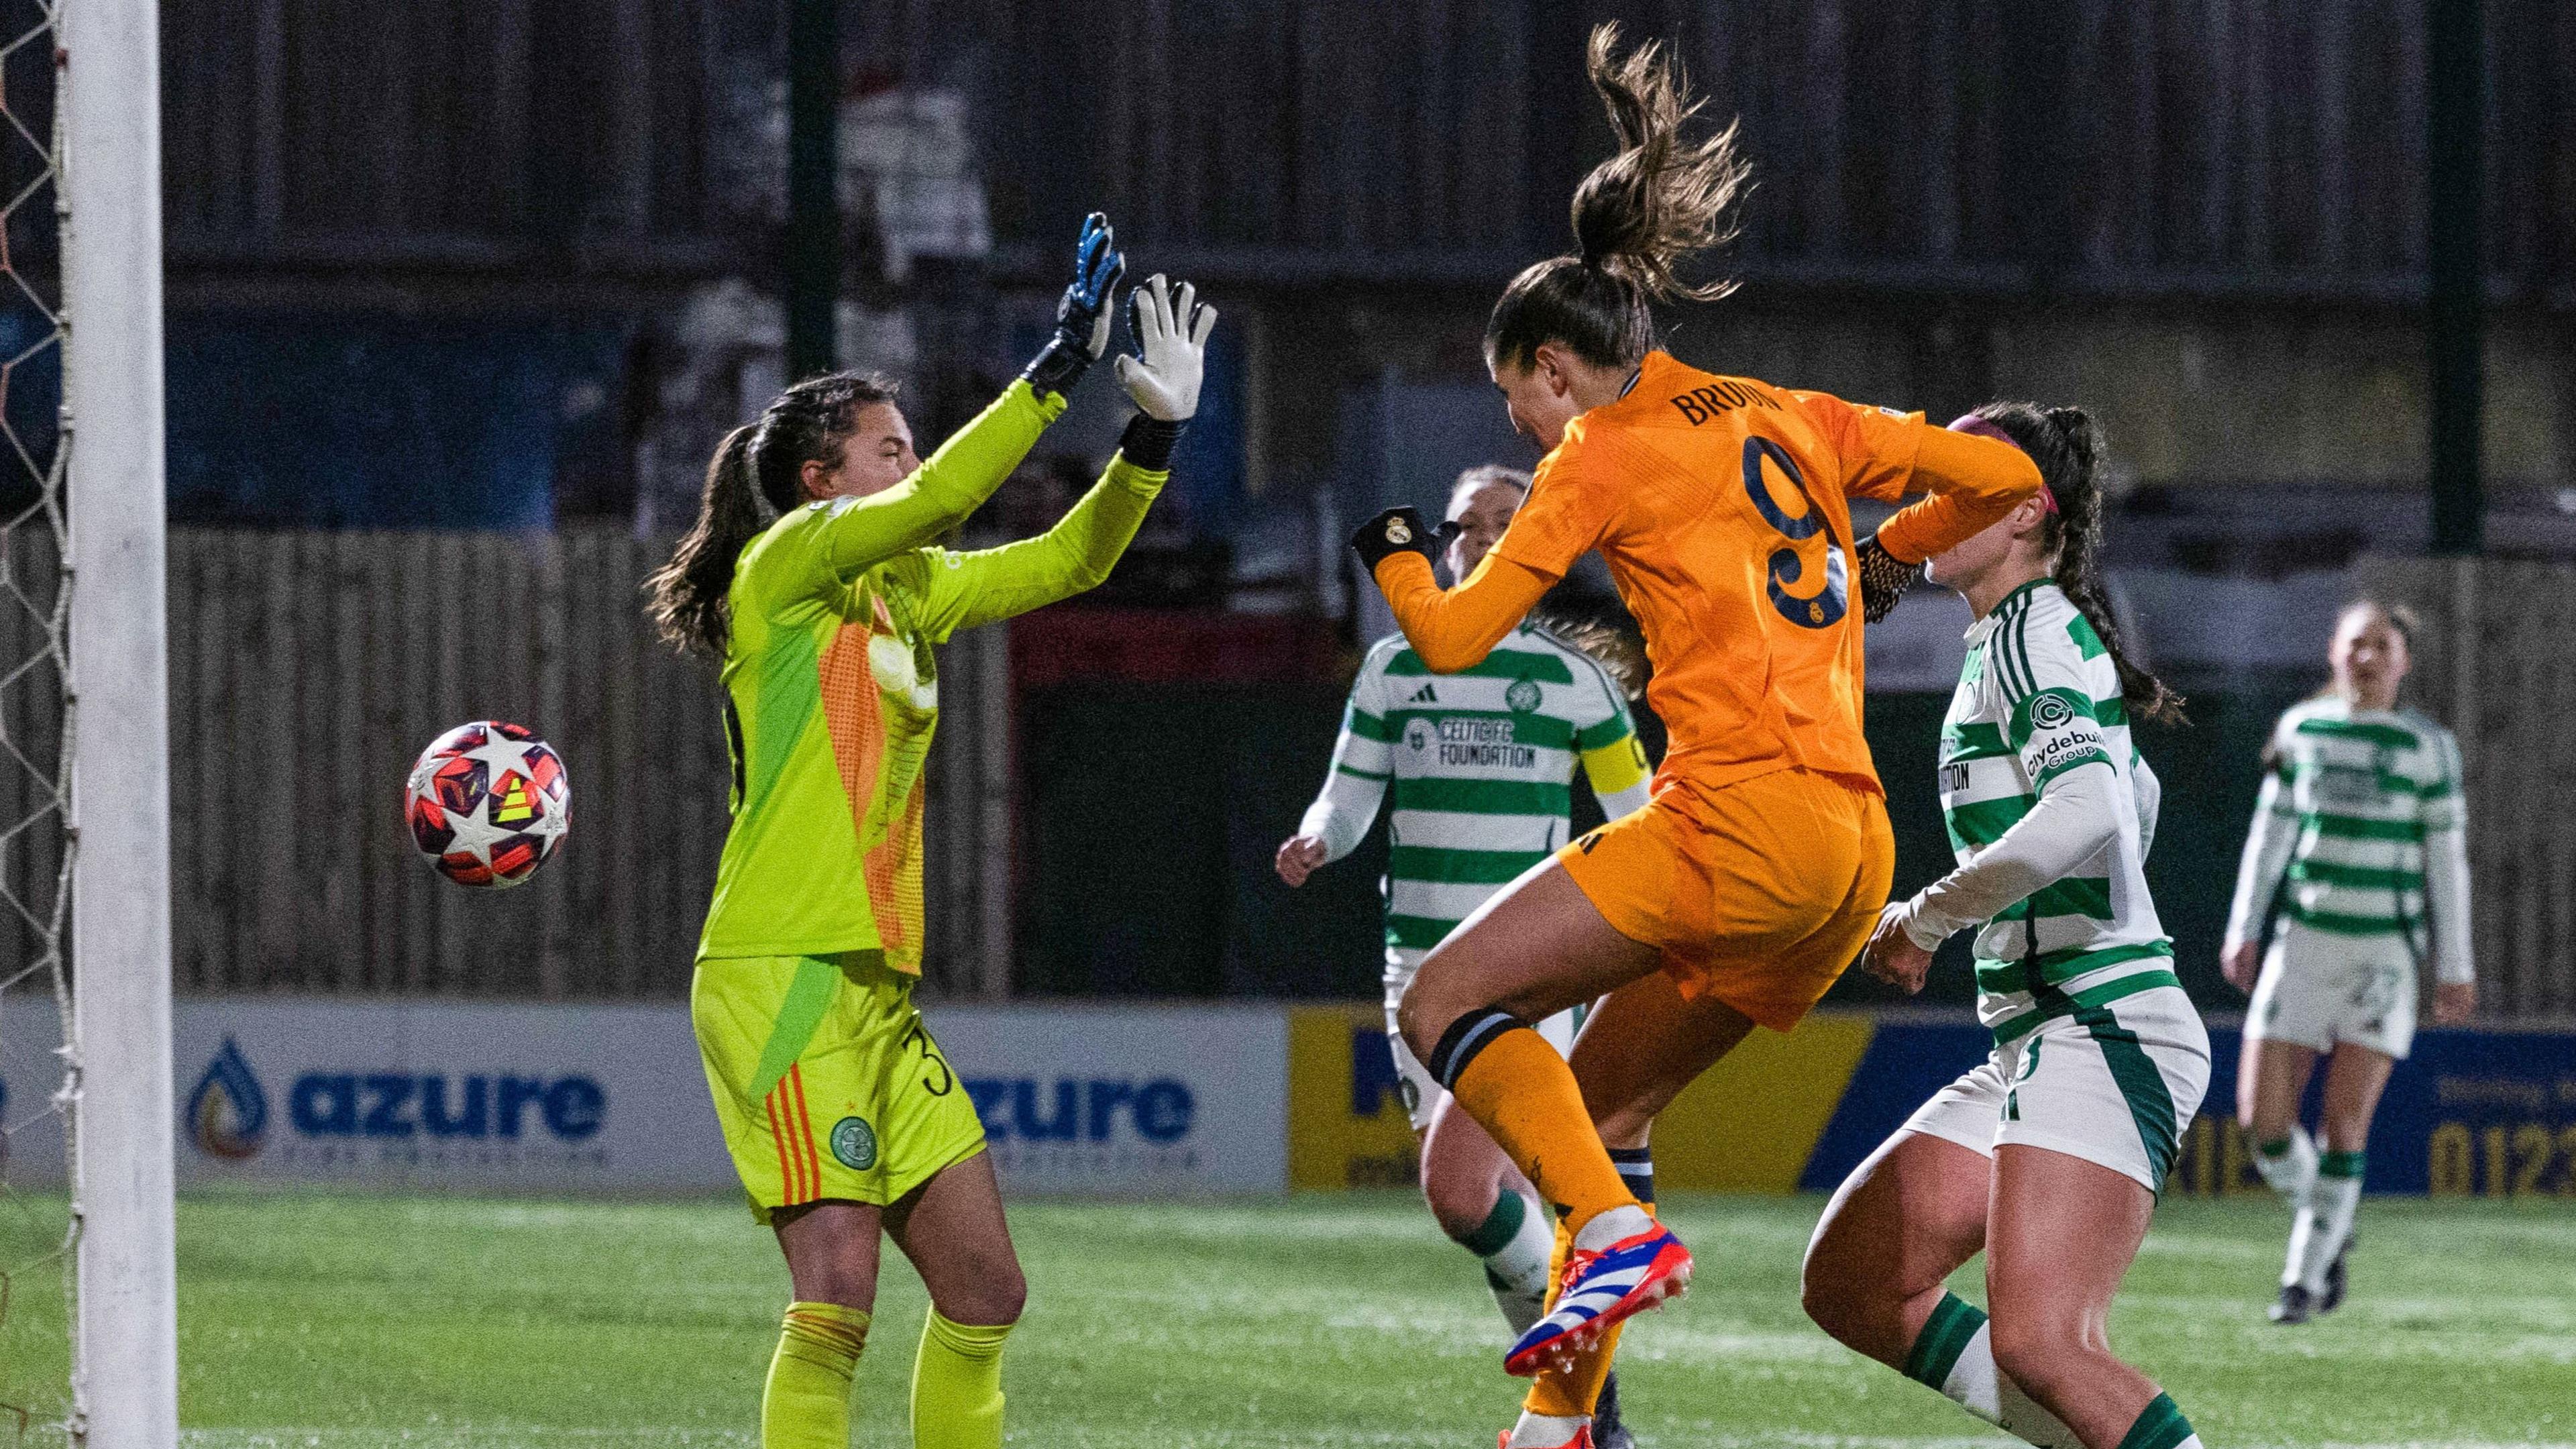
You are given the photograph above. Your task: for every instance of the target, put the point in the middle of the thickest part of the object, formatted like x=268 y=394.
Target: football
x=488 y=803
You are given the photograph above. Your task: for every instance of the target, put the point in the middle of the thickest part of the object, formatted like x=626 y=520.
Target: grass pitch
x=334 y=1322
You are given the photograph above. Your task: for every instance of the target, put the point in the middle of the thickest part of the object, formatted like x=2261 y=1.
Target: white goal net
x=38 y=1232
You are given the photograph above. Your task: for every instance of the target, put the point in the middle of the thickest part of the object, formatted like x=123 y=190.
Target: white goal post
x=125 y=1380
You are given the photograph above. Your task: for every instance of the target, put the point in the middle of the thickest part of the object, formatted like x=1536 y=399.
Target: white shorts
x=2116 y=1084
x=2319 y=988
x=1421 y=1090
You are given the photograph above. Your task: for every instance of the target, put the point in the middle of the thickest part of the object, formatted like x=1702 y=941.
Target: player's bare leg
x=1484 y=1205
x=1463 y=1172
x=1877 y=1267
x=2060 y=1235
x=831 y=1250
x=2271 y=1078
x=1895 y=1231
x=952 y=1229
x=1641 y=1046
x=1537 y=948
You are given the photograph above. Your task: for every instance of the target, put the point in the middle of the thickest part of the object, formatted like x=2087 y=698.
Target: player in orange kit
x=1757 y=872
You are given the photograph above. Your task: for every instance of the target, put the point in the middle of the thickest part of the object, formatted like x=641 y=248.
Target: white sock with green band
x=2289 y=1166
x=1515 y=1243
x=2329 y=1217
x=1955 y=1355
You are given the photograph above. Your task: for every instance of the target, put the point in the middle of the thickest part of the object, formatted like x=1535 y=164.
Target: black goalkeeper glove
x=1883 y=580
x=1082 y=317
x=1398 y=530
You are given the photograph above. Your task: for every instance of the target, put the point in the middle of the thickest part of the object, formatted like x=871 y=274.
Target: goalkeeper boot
x=1607 y=1431
x=1623 y=1262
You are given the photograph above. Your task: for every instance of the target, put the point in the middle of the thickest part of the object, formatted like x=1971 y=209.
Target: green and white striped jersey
x=2039 y=700
x=1481 y=764
x=2359 y=832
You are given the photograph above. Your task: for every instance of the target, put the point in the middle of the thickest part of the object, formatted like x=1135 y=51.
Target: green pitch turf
x=345 y=1321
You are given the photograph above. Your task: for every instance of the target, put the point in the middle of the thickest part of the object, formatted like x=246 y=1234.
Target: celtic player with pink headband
x=2047 y=1156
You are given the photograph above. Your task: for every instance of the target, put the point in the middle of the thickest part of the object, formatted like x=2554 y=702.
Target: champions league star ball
x=488 y=803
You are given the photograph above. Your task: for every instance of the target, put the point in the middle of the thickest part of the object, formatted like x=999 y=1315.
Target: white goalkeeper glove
x=1171 y=329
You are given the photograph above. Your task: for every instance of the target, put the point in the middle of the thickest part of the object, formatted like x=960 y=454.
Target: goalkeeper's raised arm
x=961 y=590
x=827 y=485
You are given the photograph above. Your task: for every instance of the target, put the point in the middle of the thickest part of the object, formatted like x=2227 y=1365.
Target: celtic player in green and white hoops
x=1480 y=765
x=2048 y=1155
x=2356 y=869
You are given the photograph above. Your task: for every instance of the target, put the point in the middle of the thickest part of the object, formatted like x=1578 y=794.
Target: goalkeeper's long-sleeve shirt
x=832 y=688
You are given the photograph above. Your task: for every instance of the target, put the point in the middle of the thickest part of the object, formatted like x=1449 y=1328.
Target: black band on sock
x=1148 y=441
x=1636 y=1169
x=1467 y=1036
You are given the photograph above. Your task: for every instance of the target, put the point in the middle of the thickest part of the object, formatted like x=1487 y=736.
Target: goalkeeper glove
x=1883 y=580
x=1398 y=530
x=1170 y=327
x=1082 y=317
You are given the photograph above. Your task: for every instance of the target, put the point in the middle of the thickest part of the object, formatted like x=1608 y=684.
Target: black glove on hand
x=1883 y=580
x=1398 y=530
x=1082 y=317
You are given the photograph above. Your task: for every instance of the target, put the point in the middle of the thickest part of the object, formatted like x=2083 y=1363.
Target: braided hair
x=1637 y=217
x=2067 y=445
x=757 y=475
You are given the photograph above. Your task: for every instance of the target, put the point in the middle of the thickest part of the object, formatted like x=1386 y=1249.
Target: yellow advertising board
x=1748 y=1125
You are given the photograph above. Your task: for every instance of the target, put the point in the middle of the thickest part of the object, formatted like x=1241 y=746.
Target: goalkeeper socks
x=806 y=1403
x=1955 y=1355
x=1514 y=1244
x=2161 y=1426
x=957 y=1385
x=2328 y=1220
x=2289 y=1166
x=1516 y=1086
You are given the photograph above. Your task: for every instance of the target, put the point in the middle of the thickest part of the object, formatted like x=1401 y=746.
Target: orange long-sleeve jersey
x=1722 y=507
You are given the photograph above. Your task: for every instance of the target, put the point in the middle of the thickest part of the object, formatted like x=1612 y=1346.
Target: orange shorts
x=1758 y=893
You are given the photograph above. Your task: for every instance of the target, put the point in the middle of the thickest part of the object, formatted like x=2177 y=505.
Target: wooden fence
x=2497 y=663
x=307 y=670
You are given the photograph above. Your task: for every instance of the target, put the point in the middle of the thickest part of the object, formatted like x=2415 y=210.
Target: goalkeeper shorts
x=826 y=1082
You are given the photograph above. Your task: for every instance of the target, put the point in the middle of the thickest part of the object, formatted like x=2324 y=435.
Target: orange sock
x=1516 y=1086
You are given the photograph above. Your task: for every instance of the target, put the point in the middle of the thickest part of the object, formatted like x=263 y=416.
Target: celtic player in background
x=1481 y=766
x=814 y=574
x=2048 y=1155
x=2356 y=868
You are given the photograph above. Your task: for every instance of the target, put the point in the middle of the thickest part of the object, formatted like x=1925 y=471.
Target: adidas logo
x=1424 y=696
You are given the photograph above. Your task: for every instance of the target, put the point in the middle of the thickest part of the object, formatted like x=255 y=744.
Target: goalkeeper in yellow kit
x=813 y=573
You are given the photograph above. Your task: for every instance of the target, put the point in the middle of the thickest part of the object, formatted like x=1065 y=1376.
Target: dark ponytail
x=2067 y=445
x=757 y=474
x=1637 y=217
